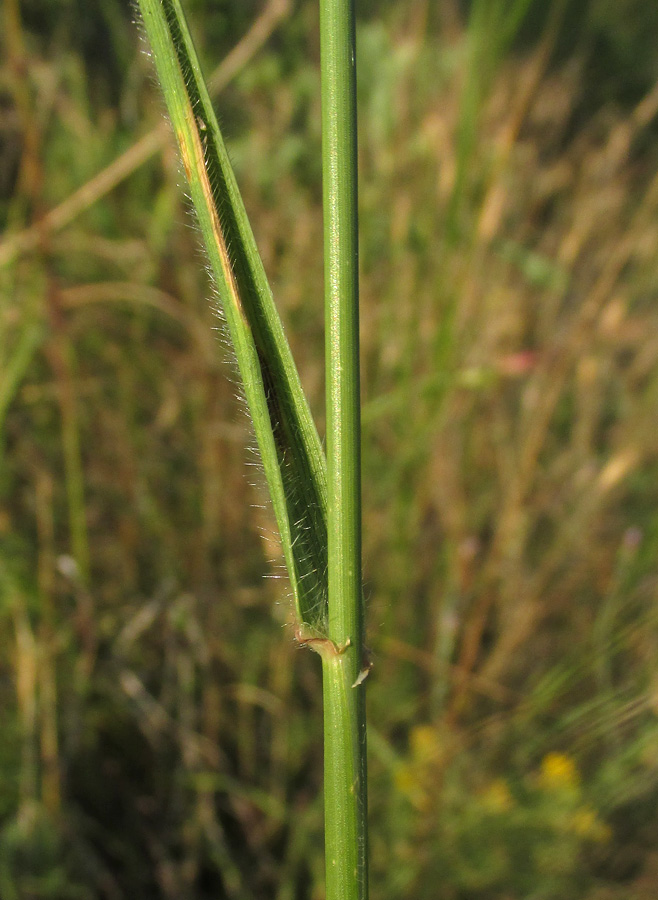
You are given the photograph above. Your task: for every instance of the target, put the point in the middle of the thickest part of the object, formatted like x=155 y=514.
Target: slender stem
x=344 y=698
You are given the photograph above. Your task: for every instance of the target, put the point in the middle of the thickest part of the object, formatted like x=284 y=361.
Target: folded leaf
x=288 y=441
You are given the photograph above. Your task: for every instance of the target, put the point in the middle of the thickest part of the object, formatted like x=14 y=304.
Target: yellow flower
x=586 y=824
x=425 y=744
x=408 y=781
x=497 y=797
x=558 y=771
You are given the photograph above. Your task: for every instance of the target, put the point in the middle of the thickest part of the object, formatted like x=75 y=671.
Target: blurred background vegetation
x=161 y=733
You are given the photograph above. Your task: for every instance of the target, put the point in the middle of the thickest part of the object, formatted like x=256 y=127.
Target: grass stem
x=345 y=764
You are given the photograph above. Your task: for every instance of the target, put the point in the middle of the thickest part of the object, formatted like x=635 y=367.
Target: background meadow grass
x=161 y=733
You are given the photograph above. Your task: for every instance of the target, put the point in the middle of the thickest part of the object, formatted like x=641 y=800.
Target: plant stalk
x=343 y=661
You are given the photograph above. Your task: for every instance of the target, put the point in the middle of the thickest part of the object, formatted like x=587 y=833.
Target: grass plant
x=318 y=512
x=160 y=734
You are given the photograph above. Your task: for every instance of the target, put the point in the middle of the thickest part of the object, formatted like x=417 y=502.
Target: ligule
x=290 y=449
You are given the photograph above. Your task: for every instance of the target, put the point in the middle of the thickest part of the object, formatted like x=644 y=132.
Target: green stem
x=344 y=697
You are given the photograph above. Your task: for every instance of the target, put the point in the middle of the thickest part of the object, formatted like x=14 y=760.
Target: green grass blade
x=28 y=343
x=289 y=445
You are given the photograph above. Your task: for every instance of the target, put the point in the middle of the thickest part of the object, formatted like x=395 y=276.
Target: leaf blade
x=288 y=441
